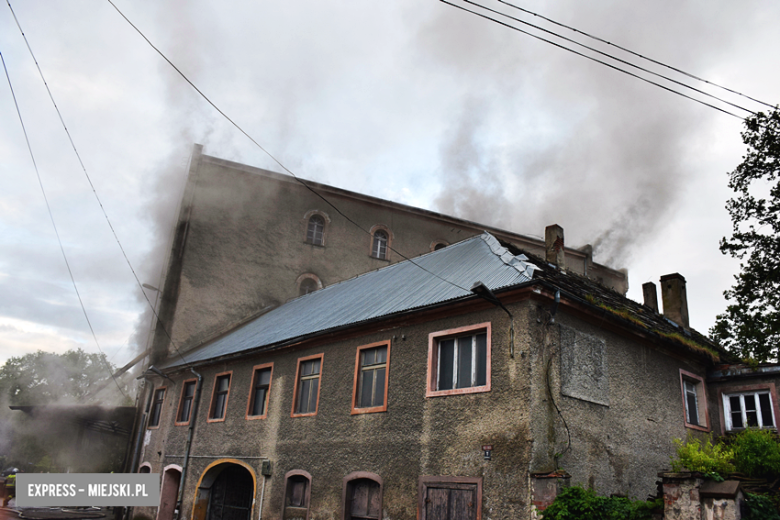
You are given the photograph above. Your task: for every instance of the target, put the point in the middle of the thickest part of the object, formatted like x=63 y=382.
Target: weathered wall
x=240 y=246
x=620 y=400
x=416 y=436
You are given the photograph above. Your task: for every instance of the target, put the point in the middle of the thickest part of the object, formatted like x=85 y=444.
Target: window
x=438 y=244
x=315 y=231
x=369 y=392
x=219 y=397
x=379 y=245
x=297 y=493
x=185 y=402
x=307 y=388
x=694 y=401
x=459 y=361
x=308 y=283
x=154 y=416
x=257 y=407
x=751 y=409
x=362 y=496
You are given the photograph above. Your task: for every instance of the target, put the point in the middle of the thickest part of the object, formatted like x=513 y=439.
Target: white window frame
x=434 y=357
x=726 y=397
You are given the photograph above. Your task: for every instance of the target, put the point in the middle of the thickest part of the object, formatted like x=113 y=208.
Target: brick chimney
x=553 y=244
x=675 y=298
x=651 y=296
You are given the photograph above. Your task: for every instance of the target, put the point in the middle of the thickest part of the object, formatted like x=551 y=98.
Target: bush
x=756 y=453
x=704 y=457
x=760 y=508
x=577 y=503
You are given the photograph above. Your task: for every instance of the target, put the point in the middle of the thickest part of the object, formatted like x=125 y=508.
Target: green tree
x=44 y=378
x=750 y=327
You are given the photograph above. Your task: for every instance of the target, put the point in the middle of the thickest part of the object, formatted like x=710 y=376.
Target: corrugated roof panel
x=433 y=278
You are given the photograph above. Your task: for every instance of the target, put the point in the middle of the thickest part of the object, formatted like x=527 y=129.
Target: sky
x=413 y=101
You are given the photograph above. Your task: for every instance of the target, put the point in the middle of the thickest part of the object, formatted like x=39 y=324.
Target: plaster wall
x=621 y=421
x=439 y=436
x=240 y=246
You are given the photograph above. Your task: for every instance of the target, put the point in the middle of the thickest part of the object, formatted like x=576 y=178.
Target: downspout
x=190 y=430
x=262 y=498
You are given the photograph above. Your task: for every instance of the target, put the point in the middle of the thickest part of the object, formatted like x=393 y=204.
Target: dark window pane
x=750 y=410
x=381 y=355
x=313 y=396
x=736 y=412
x=189 y=389
x=379 y=387
x=186 y=405
x=481 y=360
x=264 y=377
x=303 y=398
x=365 y=388
x=258 y=407
x=465 y=351
x=446 y=360
x=368 y=356
x=766 y=409
x=222 y=383
x=693 y=412
x=155 y=419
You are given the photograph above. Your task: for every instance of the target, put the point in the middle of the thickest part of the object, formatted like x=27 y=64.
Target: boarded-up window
x=296 y=496
x=363 y=500
x=584 y=367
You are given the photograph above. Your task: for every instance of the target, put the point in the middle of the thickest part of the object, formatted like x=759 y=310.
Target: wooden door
x=451 y=501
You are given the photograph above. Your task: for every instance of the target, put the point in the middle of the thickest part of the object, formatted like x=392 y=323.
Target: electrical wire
x=91 y=185
x=592 y=59
x=56 y=231
x=610 y=56
x=277 y=161
x=624 y=49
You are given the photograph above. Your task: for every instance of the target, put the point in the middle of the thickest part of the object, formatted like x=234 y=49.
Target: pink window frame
x=176 y=421
x=373 y=409
x=249 y=402
x=433 y=361
x=701 y=400
x=758 y=387
x=297 y=380
x=213 y=394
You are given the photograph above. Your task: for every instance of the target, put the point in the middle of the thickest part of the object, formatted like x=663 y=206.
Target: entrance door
x=231 y=495
x=450 y=498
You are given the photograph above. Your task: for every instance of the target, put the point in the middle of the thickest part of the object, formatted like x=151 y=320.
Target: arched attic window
x=308 y=283
x=379 y=244
x=315 y=231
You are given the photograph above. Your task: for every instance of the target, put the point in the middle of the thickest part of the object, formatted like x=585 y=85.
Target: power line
x=680 y=71
x=277 y=161
x=611 y=66
x=89 y=180
x=606 y=54
x=54 y=225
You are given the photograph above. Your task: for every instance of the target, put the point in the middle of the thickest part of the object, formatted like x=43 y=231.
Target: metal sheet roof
x=444 y=275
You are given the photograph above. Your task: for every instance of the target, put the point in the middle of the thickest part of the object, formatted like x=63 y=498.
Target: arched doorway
x=226 y=491
x=169 y=492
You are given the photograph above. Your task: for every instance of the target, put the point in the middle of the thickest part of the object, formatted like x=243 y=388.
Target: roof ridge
x=519 y=263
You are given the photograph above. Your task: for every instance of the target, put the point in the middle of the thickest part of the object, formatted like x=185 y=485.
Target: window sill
x=182 y=423
x=375 y=409
x=377 y=258
x=698 y=428
x=313 y=244
x=458 y=391
x=255 y=417
x=215 y=420
x=312 y=414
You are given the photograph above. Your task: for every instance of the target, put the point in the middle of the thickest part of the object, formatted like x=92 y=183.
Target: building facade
x=452 y=386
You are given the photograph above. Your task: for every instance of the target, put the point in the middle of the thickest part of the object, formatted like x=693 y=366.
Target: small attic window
x=379 y=247
x=315 y=231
